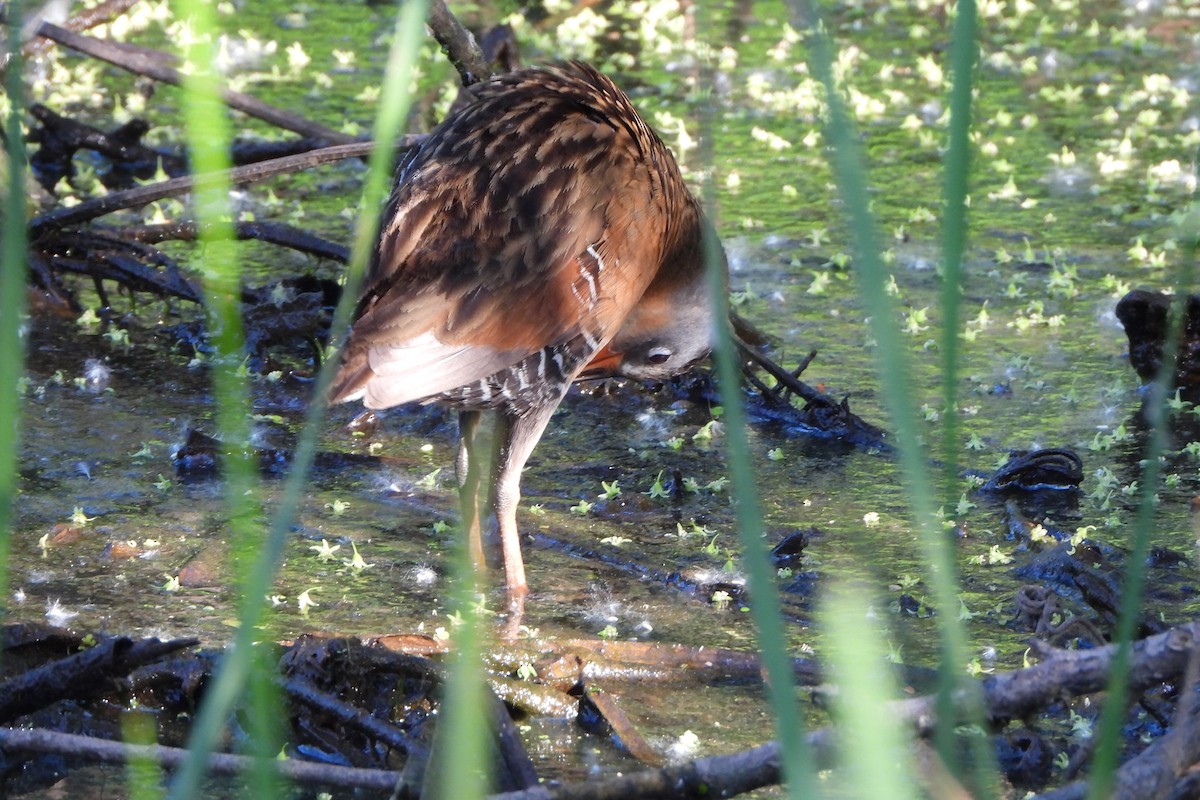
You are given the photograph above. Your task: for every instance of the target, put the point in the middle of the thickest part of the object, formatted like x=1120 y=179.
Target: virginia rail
x=542 y=233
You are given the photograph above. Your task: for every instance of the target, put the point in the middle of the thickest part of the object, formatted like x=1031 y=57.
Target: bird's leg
x=468 y=471
x=517 y=433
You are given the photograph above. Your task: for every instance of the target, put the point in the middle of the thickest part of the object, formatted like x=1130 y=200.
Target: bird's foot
x=511 y=628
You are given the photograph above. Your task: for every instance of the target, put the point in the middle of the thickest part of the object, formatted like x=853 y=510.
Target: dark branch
x=458 y=44
x=250 y=173
x=302 y=772
x=87 y=18
x=61 y=136
x=269 y=232
x=786 y=378
x=142 y=62
x=81 y=675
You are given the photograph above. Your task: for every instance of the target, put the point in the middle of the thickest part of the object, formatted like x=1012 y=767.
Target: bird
x=541 y=234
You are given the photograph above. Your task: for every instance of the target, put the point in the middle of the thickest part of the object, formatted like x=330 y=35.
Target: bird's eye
x=658 y=355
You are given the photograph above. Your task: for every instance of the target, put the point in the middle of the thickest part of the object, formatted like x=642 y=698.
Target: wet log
x=1017 y=694
x=38 y=740
x=618 y=661
x=1060 y=674
x=82 y=675
x=1006 y=696
x=304 y=692
x=536 y=699
x=624 y=732
x=718 y=776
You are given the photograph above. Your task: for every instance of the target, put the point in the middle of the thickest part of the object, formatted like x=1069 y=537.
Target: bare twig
x=458 y=44
x=271 y=232
x=141 y=62
x=250 y=173
x=38 y=740
x=786 y=378
x=86 y=18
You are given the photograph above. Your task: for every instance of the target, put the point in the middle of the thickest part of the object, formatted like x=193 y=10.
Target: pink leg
x=518 y=435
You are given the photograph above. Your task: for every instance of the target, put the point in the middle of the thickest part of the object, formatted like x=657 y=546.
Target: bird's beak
x=603 y=365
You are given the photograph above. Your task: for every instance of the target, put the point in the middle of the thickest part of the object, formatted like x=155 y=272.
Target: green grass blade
x=957 y=167
x=236 y=665
x=765 y=607
x=937 y=545
x=873 y=746
x=964 y=53
x=464 y=718
x=143 y=776
x=208 y=134
x=766 y=611
x=12 y=288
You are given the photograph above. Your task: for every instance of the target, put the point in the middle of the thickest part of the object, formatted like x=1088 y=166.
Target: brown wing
x=527 y=220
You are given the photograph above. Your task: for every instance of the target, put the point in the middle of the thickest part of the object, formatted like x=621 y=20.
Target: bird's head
x=666 y=333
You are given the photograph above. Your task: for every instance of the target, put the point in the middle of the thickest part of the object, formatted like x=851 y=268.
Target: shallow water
x=1044 y=364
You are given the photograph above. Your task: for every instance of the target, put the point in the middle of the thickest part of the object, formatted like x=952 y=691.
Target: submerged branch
x=275 y=233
